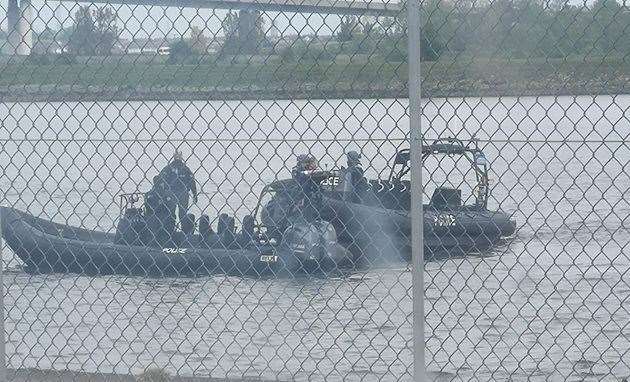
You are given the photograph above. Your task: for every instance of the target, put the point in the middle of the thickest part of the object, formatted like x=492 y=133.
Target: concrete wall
x=19 y=34
x=24 y=26
x=13 y=36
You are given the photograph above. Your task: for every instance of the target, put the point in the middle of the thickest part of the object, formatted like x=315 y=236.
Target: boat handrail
x=127 y=200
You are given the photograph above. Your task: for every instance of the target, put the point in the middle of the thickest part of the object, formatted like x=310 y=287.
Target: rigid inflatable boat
x=375 y=221
x=46 y=246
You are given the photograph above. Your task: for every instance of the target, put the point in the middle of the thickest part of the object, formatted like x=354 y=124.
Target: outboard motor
x=313 y=244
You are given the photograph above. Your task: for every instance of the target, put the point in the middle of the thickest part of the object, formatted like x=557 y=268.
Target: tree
x=608 y=28
x=81 y=41
x=369 y=26
x=106 y=31
x=180 y=51
x=229 y=25
x=391 y=26
x=198 y=42
x=65 y=34
x=44 y=41
x=244 y=32
x=347 y=28
x=47 y=34
x=94 y=32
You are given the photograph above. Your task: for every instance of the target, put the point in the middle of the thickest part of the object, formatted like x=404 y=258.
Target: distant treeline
x=501 y=29
x=455 y=30
x=525 y=28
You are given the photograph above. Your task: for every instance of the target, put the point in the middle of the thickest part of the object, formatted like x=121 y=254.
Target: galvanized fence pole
x=415 y=110
x=3 y=364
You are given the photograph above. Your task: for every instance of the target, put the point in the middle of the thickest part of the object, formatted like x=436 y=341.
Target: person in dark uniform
x=308 y=198
x=180 y=182
x=160 y=214
x=354 y=182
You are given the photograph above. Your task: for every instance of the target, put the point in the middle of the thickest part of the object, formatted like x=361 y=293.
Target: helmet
x=306 y=162
x=353 y=157
x=311 y=164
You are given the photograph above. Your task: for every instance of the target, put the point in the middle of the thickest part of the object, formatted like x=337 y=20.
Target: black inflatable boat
x=381 y=208
x=374 y=222
x=46 y=246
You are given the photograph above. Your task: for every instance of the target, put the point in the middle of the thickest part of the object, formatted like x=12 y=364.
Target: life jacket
x=177 y=177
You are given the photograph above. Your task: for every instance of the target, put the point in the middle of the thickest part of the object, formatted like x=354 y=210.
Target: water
x=553 y=303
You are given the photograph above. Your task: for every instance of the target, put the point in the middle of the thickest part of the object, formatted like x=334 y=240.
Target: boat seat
x=205 y=229
x=188 y=224
x=226 y=229
x=445 y=198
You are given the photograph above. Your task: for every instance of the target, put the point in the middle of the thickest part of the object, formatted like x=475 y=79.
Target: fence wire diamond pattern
x=222 y=189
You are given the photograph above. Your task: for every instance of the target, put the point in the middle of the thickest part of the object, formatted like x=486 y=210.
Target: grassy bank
x=36 y=375
x=272 y=78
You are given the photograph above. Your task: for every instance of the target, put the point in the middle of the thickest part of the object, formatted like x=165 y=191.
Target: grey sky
x=156 y=21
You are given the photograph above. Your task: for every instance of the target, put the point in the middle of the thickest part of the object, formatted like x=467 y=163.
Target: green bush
x=51 y=59
x=37 y=59
x=65 y=59
x=287 y=55
x=180 y=52
x=395 y=55
x=360 y=45
x=312 y=52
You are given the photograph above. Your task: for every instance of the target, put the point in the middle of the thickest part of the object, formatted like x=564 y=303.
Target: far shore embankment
x=124 y=80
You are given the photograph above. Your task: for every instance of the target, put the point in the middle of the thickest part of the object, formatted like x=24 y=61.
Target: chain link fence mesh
x=271 y=254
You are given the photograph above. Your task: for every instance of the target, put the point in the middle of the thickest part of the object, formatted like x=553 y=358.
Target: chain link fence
x=223 y=189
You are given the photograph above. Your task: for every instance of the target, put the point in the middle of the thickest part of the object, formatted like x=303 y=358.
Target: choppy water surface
x=554 y=303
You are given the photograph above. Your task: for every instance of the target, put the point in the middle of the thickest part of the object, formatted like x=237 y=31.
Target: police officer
x=354 y=182
x=305 y=165
x=308 y=197
x=180 y=181
x=160 y=214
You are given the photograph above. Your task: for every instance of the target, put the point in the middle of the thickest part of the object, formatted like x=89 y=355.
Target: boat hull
x=445 y=232
x=45 y=246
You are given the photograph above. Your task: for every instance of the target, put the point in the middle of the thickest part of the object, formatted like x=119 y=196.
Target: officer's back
x=177 y=176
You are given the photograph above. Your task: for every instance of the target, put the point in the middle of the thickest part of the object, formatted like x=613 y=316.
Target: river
x=552 y=303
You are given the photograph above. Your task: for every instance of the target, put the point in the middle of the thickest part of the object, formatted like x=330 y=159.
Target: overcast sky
x=144 y=21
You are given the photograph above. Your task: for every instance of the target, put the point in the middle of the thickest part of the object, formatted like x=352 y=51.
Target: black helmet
x=306 y=162
x=353 y=157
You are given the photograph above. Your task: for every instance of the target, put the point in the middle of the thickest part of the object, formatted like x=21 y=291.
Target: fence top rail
x=342 y=7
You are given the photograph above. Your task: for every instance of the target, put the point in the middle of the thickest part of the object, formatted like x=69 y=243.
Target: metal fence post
x=3 y=364
x=415 y=110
